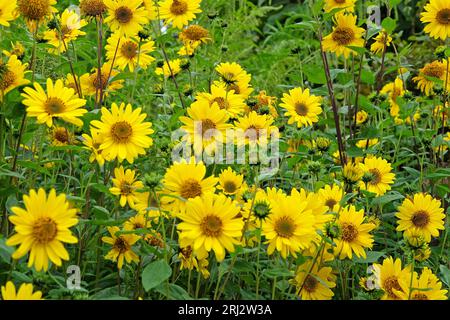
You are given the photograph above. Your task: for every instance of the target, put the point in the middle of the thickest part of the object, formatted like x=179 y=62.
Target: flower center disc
x=330 y=203
x=391 y=283
x=349 y=232
x=62 y=135
x=195 y=33
x=310 y=283
x=100 y=83
x=126 y=188
x=221 y=102
x=129 y=50
x=191 y=189
x=123 y=14
x=7 y=79
x=121 y=131
x=207 y=124
x=54 y=105
x=45 y=230
x=434 y=70
x=178 y=7
x=285 y=227
x=420 y=296
x=420 y=219
x=211 y=226
x=33 y=9
x=443 y=16
x=301 y=109
x=343 y=35
x=376 y=177
x=229 y=187
x=121 y=245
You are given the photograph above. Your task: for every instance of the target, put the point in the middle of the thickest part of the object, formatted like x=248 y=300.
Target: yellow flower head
x=229 y=181
x=437 y=19
x=61 y=136
x=302 y=107
x=361 y=117
x=7 y=12
x=35 y=12
x=436 y=69
x=178 y=12
x=347 y=5
x=25 y=292
x=92 y=8
x=92 y=83
x=232 y=103
x=331 y=197
x=314 y=283
x=366 y=143
x=122 y=247
x=381 y=177
x=389 y=276
x=93 y=144
x=394 y=90
x=425 y=287
x=170 y=69
x=126 y=16
x=382 y=41
x=254 y=129
x=125 y=186
x=12 y=75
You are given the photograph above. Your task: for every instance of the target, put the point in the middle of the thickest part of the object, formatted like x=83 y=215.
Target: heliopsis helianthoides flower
x=354 y=234
x=58 y=102
x=302 y=108
x=331 y=196
x=206 y=124
x=93 y=143
x=437 y=19
x=314 y=283
x=152 y=9
x=17 y=49
x=128 y=17
x=125 y=186
x=348 y=5
x=434 y=70
x=42 y=227
x=345 y=33
x=254 y=129
x=231 y=72
x=138 y=221
x=194 y=35
x=92 y=84
x=68 y=29
x=130 y=52
x=187 y=180
x=388 y=277
x=12 y=75
x=125 y=133
x=422 y=214
x=425 y=287
x=352 y=172
x=229 y=181
x=382 y=41
x=211 y=222
x=61 y=136
x=232 y=103
x=417 y=242
x=7 y=12
x=178 y=12
x=122 y=247
x=35 y=12
x=187 y=49
x=150 y=204
x=361 y=117
x=394 y=90
x=25 y=292
x=92 y=8
x=318 y=209
x=258 y=207
x=264 y=104
x=366 y=143
x=290 y=226
x=378 y=174
x=170 y=69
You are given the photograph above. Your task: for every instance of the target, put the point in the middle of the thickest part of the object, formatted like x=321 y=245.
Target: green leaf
x=372 y=256
x=315 y=74
x=387 y=198
x=155 y=273
x=173 y=291
x=389 y=24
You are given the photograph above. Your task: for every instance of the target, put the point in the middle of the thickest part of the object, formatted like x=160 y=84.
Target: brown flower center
x=190 y=189
x=121 y=245
x=33 y=9
x=7 y=79
x=92 y=7
x=285 y=227
x=434 y=70
x=349 y=232
x=45 y=230
x=62 y=135
x=420 y=296
x=126 y=188
x=443 y=16
x=129 y=49
x=229 y=187
x=121 y=131
x=330 y=203
x=123 y=14
x=310 y=283
x=301 y=109
x=54 y=105
x=178 y=7
x=339 y=1
x=211 y=226
x=221 y=102
x=343 y=35
x=99 y=82
x=235 y=87
x=206 y=125
x=253 y=132
x=420 y=218
x=376 y=176
x=391 y=283
x=195 y=33
x=186 y=252
x=229 y=77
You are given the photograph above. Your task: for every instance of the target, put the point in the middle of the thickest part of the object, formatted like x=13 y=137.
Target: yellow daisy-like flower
x=366 y=143
x=170 y=69
x=302 y=107
x=152 y=9
x=62 y=137
x=422 y=214
x=69 y=25
x=12 y=75
x=380 y=173
x=210 y=223
x=425 y=287
x=346 y=33
x=258 y=208
x=352 y=172
x=194 y=35
x=7 y=12
x=150 y=205
x=231 y=72
x=331 y=197
x=347 y=5
x=265 y=104
x=25 y=292
x=17 y=49
x=315 y=284
x=139 y=221
x=126 y=16
x=130 y=52
x=42 y=227
x=290 y=227
x=319 y=210
x=229 y=181
x=91 y=83
x=93 y=144
x=125 y=133
x=435 y=69
x=187 y=180
x=35 y=12
x=254 y=129
x=57 y=102
x=382 y=41
x=394 y=90
x=92 y=8
x=354 y=234
x=437 y=19
x=121 y=247
x=389 y=276
x=125 y=186
x=178 y=12
x=361 y=117
x=232 y=103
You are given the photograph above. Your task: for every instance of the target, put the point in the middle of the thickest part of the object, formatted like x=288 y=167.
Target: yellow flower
x=366 y=143
x=138 y=221
x=170 y=69
x=62 y=137
x=345 y=33
x=302 y=107
x=290 y=226
x=354 y=234
x=42 y=227
x=126 y=16
x=254 y=129
x=125 y=186
x=130 y=52
x=380 y=173
x=265 y=103
x=150 y=204
x=58 y=102
x=17 y=49
x=260 y=204
x=25 y=292
x=389 y=276
x=178 y=12
x=152 y=11
x=318 y=209
x=232 y=103
x=435 y=69
x=121 y=247
x=93 y=144
x=12 y=75
x=422 y=214
x=394 y=90
x=92 y=8
x=35 y=12
x=314 y=283
x=347 y=5
x=437 y=19
x=235 y=78
x=210 y=223
x=425 y=287
x=229 y=181
x=331 y=197
x=194 y=35
x=91 y=83
x=382 y=40
x=352 y=172
x=7 y=12
x=361 y=117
